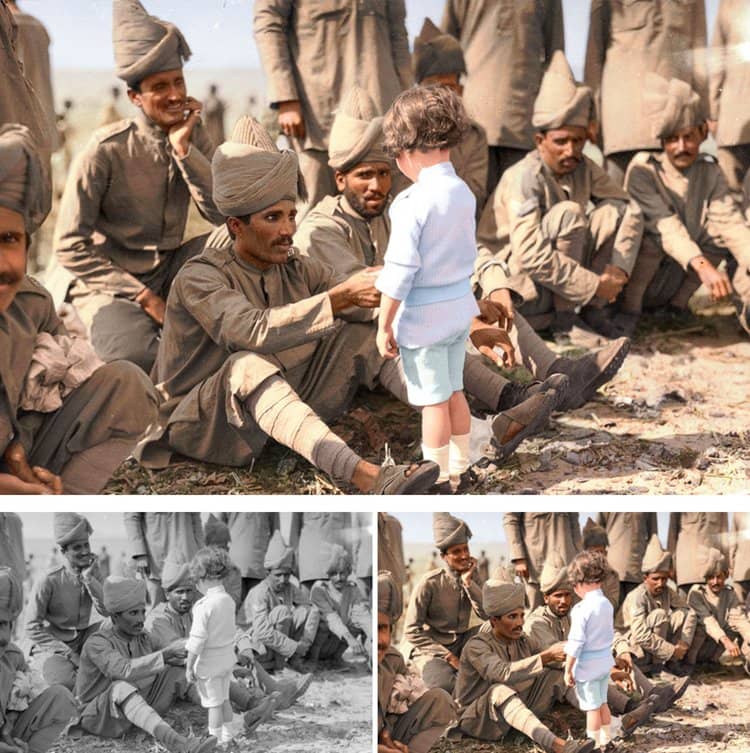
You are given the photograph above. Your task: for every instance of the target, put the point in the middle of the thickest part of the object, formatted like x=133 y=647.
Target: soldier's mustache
x=9 y=279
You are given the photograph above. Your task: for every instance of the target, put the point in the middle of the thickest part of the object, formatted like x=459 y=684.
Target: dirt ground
x=673 y=421
x=334 y=716
x=711 y=716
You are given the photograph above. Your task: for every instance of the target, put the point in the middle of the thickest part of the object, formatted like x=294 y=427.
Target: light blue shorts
x=434 y=372
x=592 y=693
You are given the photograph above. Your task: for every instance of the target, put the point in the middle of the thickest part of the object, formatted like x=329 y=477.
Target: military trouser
x=46 y=717
x=423 y=722
x=734 y=162
x=59 y=669
x=436 y=672
x=678 y=625
x=300 y=623
x=705 y=649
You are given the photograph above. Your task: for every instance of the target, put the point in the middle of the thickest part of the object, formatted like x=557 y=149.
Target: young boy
x=427 y=303
x=588 y=659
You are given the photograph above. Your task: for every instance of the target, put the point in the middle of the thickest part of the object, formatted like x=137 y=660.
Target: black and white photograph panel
x=186 y=632
x=563 y=632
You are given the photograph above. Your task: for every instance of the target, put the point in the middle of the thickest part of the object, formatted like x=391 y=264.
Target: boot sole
x=609 y=370
x=549 y=404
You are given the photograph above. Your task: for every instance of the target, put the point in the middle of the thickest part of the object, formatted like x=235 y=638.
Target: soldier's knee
x=499 y=695
x=281 y=613
x=656 y=618
x=563 y=218
x=121 y=691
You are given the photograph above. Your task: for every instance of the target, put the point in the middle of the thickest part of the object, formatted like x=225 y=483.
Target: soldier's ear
x=134 y=95
x=703 y=128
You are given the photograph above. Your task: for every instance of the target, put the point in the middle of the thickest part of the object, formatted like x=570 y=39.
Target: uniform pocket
x=318 y=9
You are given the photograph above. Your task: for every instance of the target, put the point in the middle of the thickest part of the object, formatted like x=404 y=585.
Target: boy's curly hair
x=210 y=562
x=588 y=567
x=425 y=117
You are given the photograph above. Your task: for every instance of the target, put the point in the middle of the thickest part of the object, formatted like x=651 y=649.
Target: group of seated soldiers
x=482 y=658
x=103 y=676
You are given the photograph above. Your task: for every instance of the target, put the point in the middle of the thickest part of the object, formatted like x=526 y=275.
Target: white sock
x=605 y=735
x=439 y=455
x=226 y=733
x=593 y=734
x=459 y=455
x=215 y=732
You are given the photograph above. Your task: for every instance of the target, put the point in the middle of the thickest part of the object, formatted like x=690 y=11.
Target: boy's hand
x=569 y=681
x=386 y=342
x=190 y=674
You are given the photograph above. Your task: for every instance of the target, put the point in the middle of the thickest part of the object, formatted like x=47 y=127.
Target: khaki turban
x=356 y=133
x=279 y=556
x=215 y=532
x=390 y=599
x=25 y=185
x=69 y=527
x=122 y=594
x=448 y=531
x=713 y=561
x=176 y=575
x=671 y=105
x=499 y=598
x=594 y=535
x=554 y=576
x=339 y=560
x=655 y=559
x=436 y=53
x=11 y=596
x=143 y=44
x=561 y=101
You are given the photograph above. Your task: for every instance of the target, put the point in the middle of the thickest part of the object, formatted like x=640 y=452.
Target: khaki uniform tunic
x=740 y=546
x=164 y=625
x=688 y=531
x=507 y=44
x=629 y=38
x=628 y=534
x=510 y=229
x=545 y=627
x=317 y=531
x=314 y=51
x=251 y=532
x=718 y=615
x=11 y=542
x=391 y=548
x=342 y=611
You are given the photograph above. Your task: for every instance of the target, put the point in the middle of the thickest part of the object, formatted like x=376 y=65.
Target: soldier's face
x=384 y=635
x=278 y=579
x=656 y=582
x=130 y=623
x=6 y=627
x=561 y=149
x=716 y=582
x=559 y=602
x=78 y=554
x=366 y=187
x=266 y=239
x=338 y=580
x=683 y=147
x=181 y=599
x=451 y=80
x=162 y=98
x=458 y=558
x=12 y=255
x=509 y=627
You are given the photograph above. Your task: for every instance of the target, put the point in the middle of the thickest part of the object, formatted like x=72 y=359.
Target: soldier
x=214 y=108
x=627 y=40
x=312 y=55
x=441 y=605
x=317 y=532
x=507 y=47
x=124 y=210
x=391 y=548
x=423 y=721
x=595 y=539
x=110 y=113
x=560 y=253
x=687 y=532
x=739 y=555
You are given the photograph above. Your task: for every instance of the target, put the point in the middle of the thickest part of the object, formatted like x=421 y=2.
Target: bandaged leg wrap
x=441 y=456
x=281 y=414
x=87 y=472
x=519 y=717
x=139 y=713
x=459 y=455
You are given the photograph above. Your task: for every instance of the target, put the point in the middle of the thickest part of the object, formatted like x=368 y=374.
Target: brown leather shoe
x=521 y=421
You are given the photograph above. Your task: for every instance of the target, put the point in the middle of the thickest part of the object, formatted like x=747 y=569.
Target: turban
x=25 y=185
x=356 y=133
x=499 y=598
x=144 y=44
x=339 y=560
x=594 y=535
x=670 y=105
x=70 y=526
x=11 y=595
x=176 y=575
x=436 y=53
x=448 y=531
x=390 y=599
x=505 y=573
x=122 y=594
x=655 y=559
x=554 y=576
x=279 y=556
x=713 y=561
x=216 y=533
x=561 y=101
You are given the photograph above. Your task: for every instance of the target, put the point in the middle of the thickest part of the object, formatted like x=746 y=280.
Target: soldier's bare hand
x=47 y=478
x=680 y=649
x=611 y=282
x=180 y=133
x=622 y=678
x=522 y=569
x=452 y=659
x=291 y=121
x=624 y=662
x=717 y=283
x=503 y=301
x=357 y=290
x=555 y=653
x=142 y=566
x=152 y=304
x=731 y=647
x=469 y=574
x=485 y=338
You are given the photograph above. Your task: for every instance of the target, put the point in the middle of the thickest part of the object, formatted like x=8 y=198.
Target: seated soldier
x=692 y=220
x=282 y=623
x=66 y=421
x=121 y=224
x=256 y=344
x=404 y=720
x=36 y=728
x=124 y=680
x=58 y=617
x=441 y=606
x=723 y=625
x=561 y=255
x=504 y=678
x=345 y=617
x=655 y=618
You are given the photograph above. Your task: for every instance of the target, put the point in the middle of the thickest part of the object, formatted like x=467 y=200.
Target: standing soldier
x=313 y=52
x=214 y=116
x=739 y=555
x=687 y=532
x=507 y=46
x=110 y=112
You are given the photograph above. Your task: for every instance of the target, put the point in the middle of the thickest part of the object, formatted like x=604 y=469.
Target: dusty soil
x=334 y=716
x=673 y=421
x=711 y=716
